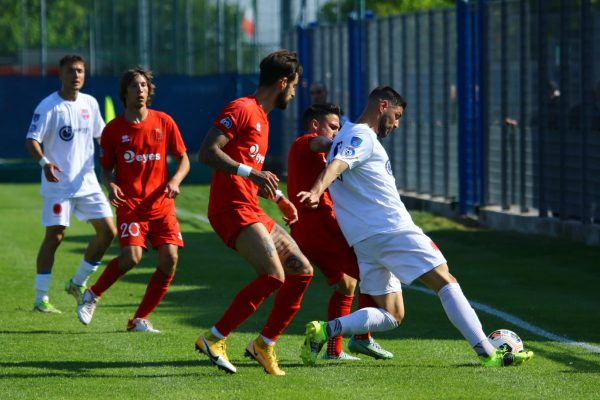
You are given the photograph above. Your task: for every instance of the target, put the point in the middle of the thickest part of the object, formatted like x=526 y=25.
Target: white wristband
x=278 y=195
x=43 y=161
x=244 y=170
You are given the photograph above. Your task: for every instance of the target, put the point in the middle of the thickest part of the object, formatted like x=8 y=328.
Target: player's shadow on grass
x=212 y=275
x=78 y=369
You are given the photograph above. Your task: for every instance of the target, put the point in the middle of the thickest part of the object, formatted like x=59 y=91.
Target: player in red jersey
x=317 y=232
x=235 y=147
x=134 y=166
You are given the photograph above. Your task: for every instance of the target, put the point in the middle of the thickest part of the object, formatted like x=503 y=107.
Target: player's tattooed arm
x=211 y=154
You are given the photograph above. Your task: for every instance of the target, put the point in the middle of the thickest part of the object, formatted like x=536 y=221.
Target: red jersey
x=304 y=167
x=138 y=153
x=247 y=126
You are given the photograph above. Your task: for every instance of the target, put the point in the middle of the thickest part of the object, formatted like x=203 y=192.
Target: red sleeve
x=107 y=149
x=230 y=120
x=176 y=144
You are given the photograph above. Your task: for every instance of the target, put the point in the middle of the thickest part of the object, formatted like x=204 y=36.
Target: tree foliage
x=338 y=10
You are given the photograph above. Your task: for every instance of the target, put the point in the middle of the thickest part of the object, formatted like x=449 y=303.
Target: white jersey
x=67 y=129
x=365 y=198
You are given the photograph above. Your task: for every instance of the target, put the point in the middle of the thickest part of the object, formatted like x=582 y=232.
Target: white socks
x=85 y=270
x=42 y=285
x=462 y=315
x=368 y=319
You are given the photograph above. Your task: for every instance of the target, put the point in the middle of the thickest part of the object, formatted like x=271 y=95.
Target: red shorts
x=228 y=224
x=135 y=231
x=322 y=242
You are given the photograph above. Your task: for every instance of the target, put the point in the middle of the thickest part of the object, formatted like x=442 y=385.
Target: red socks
x=246 y=302
x=339 y=305
x=155 y=291
x=109 y=276
x=286 y=305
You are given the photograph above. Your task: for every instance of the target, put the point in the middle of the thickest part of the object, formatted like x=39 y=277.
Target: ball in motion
x=505 y=339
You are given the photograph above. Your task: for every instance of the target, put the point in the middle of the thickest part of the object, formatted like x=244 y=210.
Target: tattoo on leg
x=269 y=247
x=293 y=264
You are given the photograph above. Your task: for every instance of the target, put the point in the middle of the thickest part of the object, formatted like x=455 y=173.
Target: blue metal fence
x=503 y=100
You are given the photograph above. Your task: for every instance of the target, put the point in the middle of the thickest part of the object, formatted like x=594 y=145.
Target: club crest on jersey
x=125 y=138
x=256 y=155
x=355 y=141
x=66 y=133
x=349 y=152
x=226 y=122
x=388 y=167
x=85 y=113
x=158 y=134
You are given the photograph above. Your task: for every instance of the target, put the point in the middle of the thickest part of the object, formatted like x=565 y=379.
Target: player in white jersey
x=389 y=247
x=61 y=139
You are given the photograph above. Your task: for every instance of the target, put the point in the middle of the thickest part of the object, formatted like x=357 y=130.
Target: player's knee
x=297 y=265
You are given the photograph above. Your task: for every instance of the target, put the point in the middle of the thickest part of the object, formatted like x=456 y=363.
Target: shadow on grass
x=519 y=274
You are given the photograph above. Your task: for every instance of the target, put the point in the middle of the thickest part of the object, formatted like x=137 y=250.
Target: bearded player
x=235 y=147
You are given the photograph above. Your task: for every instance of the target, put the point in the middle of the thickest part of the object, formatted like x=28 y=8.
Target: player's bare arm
x=115 y=194
x=35 y=149
x=211 y=154
x=287 y=208
x=329 y=174
x=320 y=144
x=172 y=188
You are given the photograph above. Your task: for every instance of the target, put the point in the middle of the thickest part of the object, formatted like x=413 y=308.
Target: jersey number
x=132 y=229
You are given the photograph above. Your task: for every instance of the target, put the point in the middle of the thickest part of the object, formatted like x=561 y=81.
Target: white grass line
x=188 y=214
x=519 y=322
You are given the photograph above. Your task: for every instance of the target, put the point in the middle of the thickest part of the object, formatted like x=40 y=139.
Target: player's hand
x=290 y=214
x=49 y=172
x=309 y=199
x=266 y=181
x=172 y=190
x=115 y=195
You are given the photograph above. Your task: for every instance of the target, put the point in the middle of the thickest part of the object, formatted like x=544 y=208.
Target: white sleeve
x=354 y=149
x=98 y=120
x=39 y=123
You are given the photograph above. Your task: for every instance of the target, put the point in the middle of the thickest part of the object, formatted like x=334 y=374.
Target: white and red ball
x=504 y=338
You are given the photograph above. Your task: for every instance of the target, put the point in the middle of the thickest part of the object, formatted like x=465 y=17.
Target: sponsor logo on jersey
x=66 y=133
x=258 y=126
x=36 y=118
x=125 y=138
x=158 y=134
x=348 y=152
x=355 y=141
x=388 y=167
x=226 y=122
x=130 y=157
x=85 y=113
x=256 y=155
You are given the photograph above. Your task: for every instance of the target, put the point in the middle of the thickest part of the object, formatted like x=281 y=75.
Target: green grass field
x=548 y=283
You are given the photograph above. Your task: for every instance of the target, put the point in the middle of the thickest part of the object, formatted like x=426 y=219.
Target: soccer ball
x=505 y=339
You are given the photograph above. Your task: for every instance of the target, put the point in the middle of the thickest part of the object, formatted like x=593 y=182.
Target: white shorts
x=57 y=211
x=387 y=259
